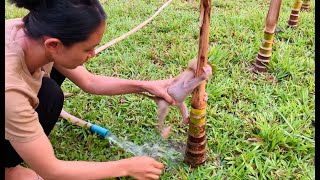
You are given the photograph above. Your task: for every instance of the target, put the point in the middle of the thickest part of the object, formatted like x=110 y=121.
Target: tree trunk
x=195 y=154
x=265 y=51
x=305 y=5
x=294 y=16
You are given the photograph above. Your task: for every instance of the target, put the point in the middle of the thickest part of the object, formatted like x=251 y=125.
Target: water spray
x=153 y=150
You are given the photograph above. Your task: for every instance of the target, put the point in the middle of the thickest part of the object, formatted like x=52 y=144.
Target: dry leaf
x=255 y=139
x=66 y=94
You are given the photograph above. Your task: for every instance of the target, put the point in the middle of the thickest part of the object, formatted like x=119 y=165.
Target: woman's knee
x=50 y=104
x=50 y=95
x=20 y=173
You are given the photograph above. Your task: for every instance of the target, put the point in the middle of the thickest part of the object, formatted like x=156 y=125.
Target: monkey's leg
x=184 y=112
x=163 y=109
x=166 y=132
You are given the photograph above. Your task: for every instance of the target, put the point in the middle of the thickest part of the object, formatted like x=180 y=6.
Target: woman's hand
x=143 y=167
x=159 y=88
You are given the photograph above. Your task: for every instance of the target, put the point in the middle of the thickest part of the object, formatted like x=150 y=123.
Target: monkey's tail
x=155 y=98
x=147 y=95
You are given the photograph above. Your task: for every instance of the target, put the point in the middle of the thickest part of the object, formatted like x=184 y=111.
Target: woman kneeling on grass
x=47 y=45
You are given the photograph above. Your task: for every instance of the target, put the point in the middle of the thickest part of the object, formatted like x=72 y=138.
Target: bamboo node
x=264 y=55
x=262 y=60
x=196 y=139
x=266 y=52
x=196 y=144
x=294 y=21
x=198 y=111
x=295 y=11
x=266 y=48
x=200 y=120
x=258 y=68
x=195 y=135
x=198 y=124
x=268 y=36
x=196 y=152
x=267 y=43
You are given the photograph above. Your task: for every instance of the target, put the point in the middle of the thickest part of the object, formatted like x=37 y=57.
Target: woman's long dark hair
x=70 y=21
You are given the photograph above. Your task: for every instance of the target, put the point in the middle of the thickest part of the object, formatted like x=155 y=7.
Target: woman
x=47 y=45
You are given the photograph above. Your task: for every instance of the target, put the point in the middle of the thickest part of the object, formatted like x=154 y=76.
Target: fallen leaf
x=66 y=94
x=255 y=139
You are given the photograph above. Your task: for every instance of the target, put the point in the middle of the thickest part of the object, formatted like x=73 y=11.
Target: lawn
x=276 y=107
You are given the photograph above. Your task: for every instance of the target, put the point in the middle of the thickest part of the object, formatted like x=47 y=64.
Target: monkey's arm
x=194 y=82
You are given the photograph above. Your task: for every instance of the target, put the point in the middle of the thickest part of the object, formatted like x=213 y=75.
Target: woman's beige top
x=21 y=89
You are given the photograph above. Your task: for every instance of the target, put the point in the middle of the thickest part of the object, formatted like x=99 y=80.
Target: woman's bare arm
x=39 y=155
x=105 y=85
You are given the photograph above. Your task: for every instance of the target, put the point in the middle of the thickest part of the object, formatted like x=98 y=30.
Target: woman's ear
x=53 y=45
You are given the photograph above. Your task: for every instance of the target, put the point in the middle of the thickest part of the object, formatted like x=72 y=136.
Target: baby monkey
x=179 y=89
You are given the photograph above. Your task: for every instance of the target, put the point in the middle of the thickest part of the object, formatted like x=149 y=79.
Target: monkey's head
x=193 y=64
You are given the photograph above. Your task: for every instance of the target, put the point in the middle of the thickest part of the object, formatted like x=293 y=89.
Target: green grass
x=277 y=107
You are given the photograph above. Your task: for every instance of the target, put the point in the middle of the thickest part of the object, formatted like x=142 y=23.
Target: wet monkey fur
x=179 y=89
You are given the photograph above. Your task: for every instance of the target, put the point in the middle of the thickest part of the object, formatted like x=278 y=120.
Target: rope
x=103 y=47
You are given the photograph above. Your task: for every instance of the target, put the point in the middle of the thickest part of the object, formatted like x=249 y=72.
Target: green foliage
x=276 y=107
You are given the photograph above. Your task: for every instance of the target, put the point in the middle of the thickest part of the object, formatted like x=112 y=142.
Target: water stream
x=161 y=150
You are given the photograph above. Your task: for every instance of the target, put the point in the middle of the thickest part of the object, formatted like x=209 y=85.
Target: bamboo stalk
x=265 y=51
x=294 y=16
x=305 y=5
x=75 y=120
x=79 y=122
x=195 y=154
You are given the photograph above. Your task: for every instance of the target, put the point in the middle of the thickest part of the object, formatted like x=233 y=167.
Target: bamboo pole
x=79 y=122
x=195 y=154
x=305 y=5
x=265 y=51
x=294 y=16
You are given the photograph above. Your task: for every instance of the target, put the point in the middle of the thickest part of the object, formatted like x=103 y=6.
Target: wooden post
x=305 y=5
x=265 y=51
x=294 y=16
x=195 y=154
